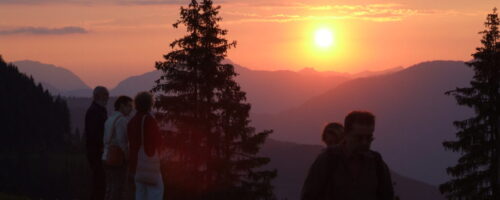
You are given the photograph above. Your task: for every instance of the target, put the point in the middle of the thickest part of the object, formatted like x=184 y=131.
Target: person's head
x=359 y=127
x=143 y=102
x=124 y=105
x=332 y=133
x=101 y=95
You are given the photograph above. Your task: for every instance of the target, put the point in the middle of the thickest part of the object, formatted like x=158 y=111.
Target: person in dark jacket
x=94 y=131
x=351 y=171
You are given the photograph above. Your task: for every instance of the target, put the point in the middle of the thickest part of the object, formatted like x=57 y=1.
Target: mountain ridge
x=57 y=77
x=413 y=119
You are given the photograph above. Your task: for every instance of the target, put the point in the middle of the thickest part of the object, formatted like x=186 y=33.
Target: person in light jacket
x=115 y=133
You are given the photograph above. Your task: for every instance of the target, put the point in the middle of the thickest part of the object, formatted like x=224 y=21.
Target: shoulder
x=321 y=160
x=91 y=109
x=327 y=158
x=323 y=154
x=122 y=119
x=375 y=154
x=378 y=158
x=329 y=153
x=109 y=121
x=95 y=110
x=94 y=114
x=333 y=151
x=121 y=122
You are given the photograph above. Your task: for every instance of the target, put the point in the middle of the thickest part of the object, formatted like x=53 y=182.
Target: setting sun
x=323 y=38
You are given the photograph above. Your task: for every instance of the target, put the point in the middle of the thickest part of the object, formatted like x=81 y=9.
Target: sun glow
x=323 y=38
x=323 y=46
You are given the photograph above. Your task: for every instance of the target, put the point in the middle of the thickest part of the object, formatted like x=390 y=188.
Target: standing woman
x=116 y=149
x=144 y=139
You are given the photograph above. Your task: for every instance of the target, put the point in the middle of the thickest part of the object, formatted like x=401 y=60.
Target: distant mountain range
x=267 y=91
x=413 y=115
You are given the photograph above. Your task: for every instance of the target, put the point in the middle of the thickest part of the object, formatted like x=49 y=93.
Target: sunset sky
x=105 y=41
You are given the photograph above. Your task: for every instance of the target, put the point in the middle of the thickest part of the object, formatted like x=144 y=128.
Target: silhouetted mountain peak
x=368 y=73
x=308 y=70
x=57 y=77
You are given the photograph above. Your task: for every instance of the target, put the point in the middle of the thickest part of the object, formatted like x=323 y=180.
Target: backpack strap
x=142 y=130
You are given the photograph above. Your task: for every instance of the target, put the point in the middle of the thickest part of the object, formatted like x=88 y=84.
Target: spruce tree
x=476 y=175
x=212 y=149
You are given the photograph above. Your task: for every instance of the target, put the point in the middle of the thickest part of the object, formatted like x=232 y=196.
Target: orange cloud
x=374 y=12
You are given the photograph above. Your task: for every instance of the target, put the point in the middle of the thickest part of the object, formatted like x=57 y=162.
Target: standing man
x=352 y=171
x=94 y=131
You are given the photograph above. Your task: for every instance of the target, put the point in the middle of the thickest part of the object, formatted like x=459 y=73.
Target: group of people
x=123 y=153
x=123 y=150
x=347 y=169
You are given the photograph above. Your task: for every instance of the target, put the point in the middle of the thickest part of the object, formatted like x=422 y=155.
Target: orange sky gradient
x=122 y=38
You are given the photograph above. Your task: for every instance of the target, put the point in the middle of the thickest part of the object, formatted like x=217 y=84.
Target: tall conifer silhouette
x=212 y=149
x=476 y=176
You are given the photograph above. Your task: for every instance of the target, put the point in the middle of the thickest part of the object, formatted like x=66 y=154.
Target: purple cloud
x=44 y=31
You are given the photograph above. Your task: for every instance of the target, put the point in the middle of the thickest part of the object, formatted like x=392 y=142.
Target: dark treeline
x=30 y=114
x=39 y=155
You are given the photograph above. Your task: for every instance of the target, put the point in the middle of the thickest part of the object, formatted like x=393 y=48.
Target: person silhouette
x=145 y=147
x=95 y=117
x=333 y=134
x=352 y=171
x=115 y=136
